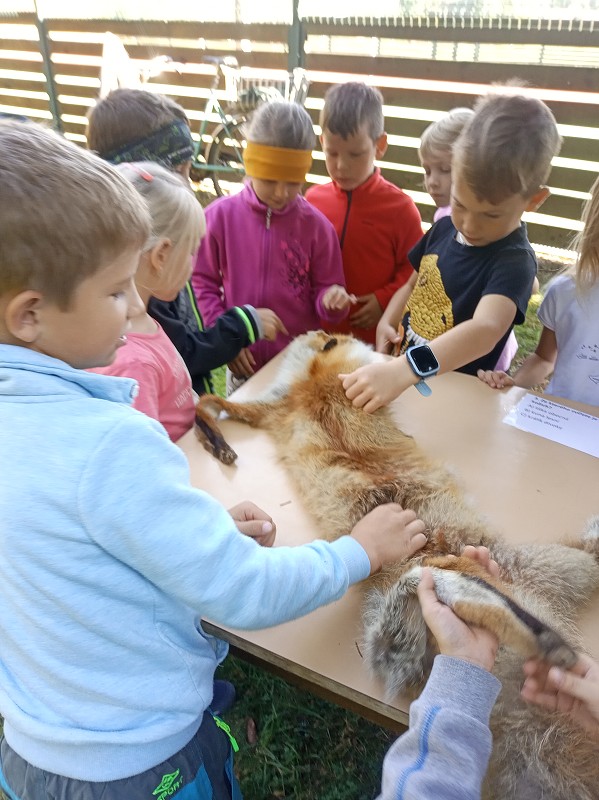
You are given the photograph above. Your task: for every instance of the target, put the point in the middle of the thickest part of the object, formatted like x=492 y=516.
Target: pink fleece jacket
x=283 y=260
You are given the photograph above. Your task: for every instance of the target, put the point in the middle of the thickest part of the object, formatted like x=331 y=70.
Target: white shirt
x=574 y=318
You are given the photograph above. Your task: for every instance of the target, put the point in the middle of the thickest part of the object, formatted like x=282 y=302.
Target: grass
x=307 y=748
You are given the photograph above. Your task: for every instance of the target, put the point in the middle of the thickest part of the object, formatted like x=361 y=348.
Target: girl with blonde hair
x=148 y=355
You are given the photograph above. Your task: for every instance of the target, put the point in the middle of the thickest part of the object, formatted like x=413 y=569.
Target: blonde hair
x=440 y=136
x=507 y=147
x=64 y=213
x=587 y=242
x=174 y=210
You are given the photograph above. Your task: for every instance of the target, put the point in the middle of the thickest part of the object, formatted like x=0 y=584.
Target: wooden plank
x=16 y=18
x=572 y=78
x=23 y=102
x=444 y=95
x=77 y=71
x=448 y=33
x=178 y=29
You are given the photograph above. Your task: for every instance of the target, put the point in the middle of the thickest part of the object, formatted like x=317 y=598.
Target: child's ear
x=380 y=146
x=159 y=255
x=22 y=316
x=538 y=198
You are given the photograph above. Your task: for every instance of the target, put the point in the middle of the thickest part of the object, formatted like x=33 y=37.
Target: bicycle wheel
x=224 y=157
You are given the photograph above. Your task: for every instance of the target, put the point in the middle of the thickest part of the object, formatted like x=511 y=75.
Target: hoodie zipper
x=346 y=220
x=268 y=216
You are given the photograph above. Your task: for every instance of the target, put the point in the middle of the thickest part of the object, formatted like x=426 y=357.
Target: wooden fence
x=423 y=67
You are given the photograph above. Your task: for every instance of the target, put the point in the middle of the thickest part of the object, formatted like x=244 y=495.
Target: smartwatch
x=424 y=364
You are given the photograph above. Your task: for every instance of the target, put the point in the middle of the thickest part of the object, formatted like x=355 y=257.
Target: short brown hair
x=125 y=116
x=65 y=213
x=507 y=147
x=347 y=106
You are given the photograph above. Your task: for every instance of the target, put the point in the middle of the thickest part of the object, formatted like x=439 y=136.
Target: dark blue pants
x=202 y=770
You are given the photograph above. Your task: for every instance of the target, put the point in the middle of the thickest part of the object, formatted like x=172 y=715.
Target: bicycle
x=218 y=151
x=219 y=154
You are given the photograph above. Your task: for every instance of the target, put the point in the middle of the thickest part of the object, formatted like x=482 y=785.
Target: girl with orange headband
x=267 y=246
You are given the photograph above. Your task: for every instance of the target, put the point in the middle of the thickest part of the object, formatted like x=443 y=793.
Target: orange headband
x=276 y=163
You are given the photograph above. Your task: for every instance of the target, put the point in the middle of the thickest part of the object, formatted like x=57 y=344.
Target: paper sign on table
x=556 y=422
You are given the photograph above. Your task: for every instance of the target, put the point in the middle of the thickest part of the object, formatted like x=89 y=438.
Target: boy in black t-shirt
x=474 y=271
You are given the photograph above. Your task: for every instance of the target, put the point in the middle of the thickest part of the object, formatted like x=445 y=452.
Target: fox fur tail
x=396 y=645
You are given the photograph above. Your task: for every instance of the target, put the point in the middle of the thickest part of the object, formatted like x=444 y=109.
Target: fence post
x=295 y=39
x=48 y=70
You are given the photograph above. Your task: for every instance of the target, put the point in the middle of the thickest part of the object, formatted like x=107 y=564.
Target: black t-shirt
x=453 y=277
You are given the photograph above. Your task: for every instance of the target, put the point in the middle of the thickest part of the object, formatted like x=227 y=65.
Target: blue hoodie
x=108 y=556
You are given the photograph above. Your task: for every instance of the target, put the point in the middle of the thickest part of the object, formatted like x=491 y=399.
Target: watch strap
x=423 y=387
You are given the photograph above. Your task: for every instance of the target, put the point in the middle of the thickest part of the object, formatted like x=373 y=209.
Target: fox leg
x=562 y=575
x=208 y=431
x=395 y=632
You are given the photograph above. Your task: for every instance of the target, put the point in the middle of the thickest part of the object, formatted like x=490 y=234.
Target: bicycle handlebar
x=228 y=61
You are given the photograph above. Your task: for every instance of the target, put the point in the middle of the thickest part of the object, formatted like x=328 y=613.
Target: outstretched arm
x=376 y=385
x=534 y=370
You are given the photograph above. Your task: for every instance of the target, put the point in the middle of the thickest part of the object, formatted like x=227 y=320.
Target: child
x=475 y=269
x=569 y=343
x=377 y=224
x=134 y=125
x=149 y=356
x=435 y=150
x=108 y=557
x=436 y=144
x=266 y=245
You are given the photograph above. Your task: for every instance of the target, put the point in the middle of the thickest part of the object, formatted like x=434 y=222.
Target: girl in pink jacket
x=267 y=246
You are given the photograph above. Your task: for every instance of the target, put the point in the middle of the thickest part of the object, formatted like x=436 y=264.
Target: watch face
x=424 y=360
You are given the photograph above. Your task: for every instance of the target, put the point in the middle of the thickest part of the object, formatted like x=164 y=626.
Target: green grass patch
x=306 y=748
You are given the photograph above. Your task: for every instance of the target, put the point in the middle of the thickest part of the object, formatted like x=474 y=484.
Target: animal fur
x=344 y=463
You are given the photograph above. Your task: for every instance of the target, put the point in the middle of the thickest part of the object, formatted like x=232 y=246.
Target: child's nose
x=280 y=191
x=135 y=304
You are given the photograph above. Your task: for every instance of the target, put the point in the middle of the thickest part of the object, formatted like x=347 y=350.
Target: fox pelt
x=344 y=463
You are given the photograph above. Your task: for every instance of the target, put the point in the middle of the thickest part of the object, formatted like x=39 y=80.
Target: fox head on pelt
x=316 y=352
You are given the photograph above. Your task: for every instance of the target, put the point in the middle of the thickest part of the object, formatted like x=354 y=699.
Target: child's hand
x=389 y=534
x=574 y=692
x=369 y=313
x=373 y=386
x=255 y=523
x=243 y=365
x=271 y=324
x=387 y=337
x=496 y=380
x=454 y=637
x=336 y=298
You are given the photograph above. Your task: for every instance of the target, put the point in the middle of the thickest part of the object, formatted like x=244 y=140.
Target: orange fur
x=344 y=463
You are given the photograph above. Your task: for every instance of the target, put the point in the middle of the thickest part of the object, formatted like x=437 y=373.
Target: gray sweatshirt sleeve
x=445 y=752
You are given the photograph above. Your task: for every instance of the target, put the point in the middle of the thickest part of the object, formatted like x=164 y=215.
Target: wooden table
x=530 y=489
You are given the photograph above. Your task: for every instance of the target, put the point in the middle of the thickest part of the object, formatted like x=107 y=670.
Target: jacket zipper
x=266 y=253
x=346 y=220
